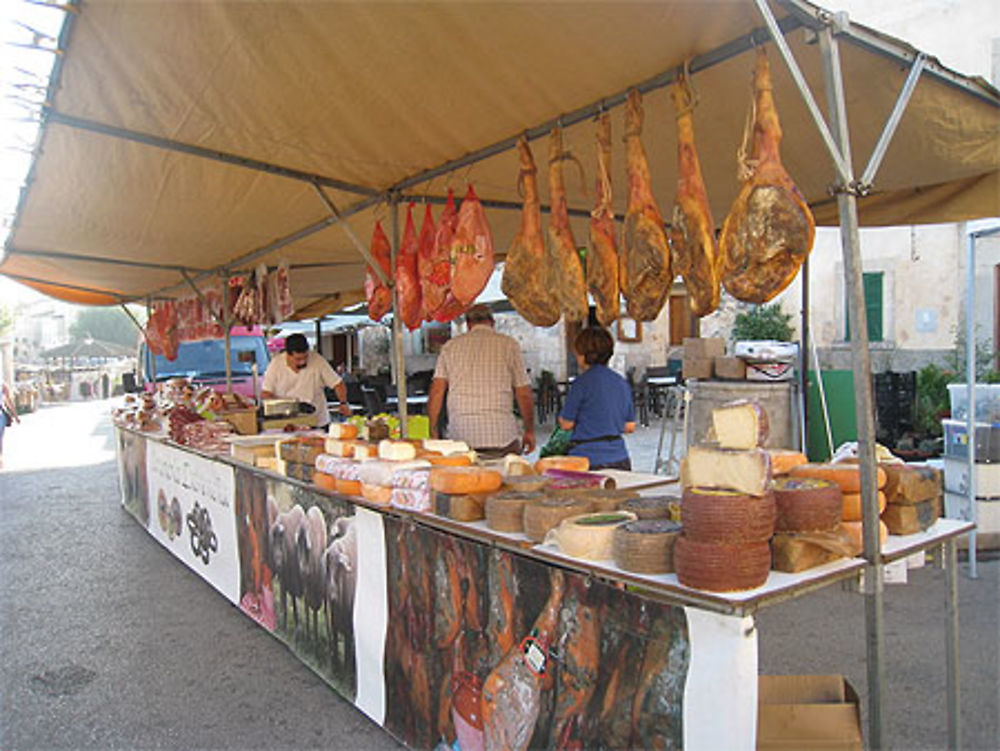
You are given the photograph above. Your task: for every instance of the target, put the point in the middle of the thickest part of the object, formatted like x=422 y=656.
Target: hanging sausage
x=407 y=280
x=376 y=292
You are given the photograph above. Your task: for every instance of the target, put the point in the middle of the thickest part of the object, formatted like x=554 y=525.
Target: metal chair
x=675 y=415
x=373 y=400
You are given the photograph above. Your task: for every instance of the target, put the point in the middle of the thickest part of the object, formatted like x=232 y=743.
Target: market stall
x=335 y=139
x=440 y=629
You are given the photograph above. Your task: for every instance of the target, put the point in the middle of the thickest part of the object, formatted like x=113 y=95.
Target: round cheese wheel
x=542 y=516
x=570 y=463
x=654 y=507
x=505 y=511
x=453 y=460
x=847 y=476
x=377 y=494
x=589 y=536
x=646 y=546
x=710 y=515
x=325 y=481
x=527 y=483
x=784 y=460
x=851 y=507
x=607 y=499
x=719 y=567
x=465 y=480
x=856 y=533
x=348 y=487
x=805 y=504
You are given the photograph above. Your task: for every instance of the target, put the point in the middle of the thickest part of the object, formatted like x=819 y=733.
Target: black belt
x=573 y=444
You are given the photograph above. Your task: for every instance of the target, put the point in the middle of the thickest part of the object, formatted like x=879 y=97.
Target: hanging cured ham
x=377 y=294
x=602 y=263
x=512 y=692
x=694 y=253
x=434 y=261
x=645 y=269
x=162 y=330
x=407 y=279
x=565 y=269
x=525 y=281
x=769 y=230
x=471 y=251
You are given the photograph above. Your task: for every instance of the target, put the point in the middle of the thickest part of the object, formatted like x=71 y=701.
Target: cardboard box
x=704 y=348
x=807 y=712
x=697 y=367
x=730 y=368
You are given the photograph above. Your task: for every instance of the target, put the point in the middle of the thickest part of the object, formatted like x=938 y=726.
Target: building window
x=872 y=283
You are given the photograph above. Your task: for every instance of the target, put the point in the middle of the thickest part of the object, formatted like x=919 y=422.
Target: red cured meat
x=471 y=251
x=376 y=293
x=435 y=266
x=407 y=280
x=162 y=330
x=425 y=260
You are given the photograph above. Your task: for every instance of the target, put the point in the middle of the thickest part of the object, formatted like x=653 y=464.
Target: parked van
x=204 y=361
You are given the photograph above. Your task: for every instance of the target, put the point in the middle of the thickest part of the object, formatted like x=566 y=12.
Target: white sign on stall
x=192 y=514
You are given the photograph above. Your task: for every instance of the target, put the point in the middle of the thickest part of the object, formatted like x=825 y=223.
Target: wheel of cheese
x=646 y=546
x=570 y=463
x=607 y=499
x=784 y=460
x=719 y=567
x=725 y=516
x=452 y=460
x=588 y=536
x=342 y=447
x=654 y=507
x=542 y=516
x=462 y=508
x=805 y=504
x=342 y=430
x=856 y=532
x=847 y=476
x=465 y=480
x=527 y=483
x=365 y=451
x=377 y=494
x=325 y=481
x=505 y=511
x=740 y=424
x=348 y=487
x=851 y=507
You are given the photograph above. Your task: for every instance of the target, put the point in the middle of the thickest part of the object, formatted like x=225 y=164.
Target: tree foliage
x=763 y=322
x=105 y=324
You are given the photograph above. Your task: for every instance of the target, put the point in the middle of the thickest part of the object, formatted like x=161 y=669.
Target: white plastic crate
x=956 y=477
x=987 y=401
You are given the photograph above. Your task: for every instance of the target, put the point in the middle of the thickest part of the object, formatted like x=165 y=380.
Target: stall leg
x=951 y=648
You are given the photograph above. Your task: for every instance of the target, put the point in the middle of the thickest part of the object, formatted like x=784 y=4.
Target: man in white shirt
x=300 y=374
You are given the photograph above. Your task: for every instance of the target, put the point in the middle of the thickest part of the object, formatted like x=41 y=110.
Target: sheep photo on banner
x=132 y=474
x=298 y=553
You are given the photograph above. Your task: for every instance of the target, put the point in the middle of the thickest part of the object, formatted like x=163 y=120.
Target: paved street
x=109 y=642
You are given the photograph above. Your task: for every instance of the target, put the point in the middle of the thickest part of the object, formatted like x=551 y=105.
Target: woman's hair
x=595 y=345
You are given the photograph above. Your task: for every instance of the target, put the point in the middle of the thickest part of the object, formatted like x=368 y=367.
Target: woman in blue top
x=598 y=408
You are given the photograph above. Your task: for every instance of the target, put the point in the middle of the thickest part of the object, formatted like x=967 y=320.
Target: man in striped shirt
x=482 y=374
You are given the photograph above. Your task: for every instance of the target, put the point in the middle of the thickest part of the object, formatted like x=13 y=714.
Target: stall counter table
x=408 y=615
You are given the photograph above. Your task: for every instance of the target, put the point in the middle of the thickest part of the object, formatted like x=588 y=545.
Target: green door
x=872 y=283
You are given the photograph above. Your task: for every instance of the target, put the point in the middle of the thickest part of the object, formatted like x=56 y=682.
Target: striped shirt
x=482 y=369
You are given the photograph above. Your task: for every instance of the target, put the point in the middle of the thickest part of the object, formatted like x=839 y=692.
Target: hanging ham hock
x=602 y=262
x=769 y=230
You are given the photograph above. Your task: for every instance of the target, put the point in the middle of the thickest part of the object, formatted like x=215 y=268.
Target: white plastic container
x=987 y=401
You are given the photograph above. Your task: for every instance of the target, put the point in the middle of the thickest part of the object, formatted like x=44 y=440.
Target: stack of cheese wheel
x=727 y=508
x=646 y=546
x=526 y=483
x=324 y=481
x=847 y=477
x=589 y=536
x=654 y=507
x=542 y=516
x=505 y=510
x=465 y=480
x=914 y=494
x=607 y=499
x=784 y=460
x=568 y=463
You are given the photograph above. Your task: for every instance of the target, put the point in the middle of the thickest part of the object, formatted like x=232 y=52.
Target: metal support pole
x=848 y=209
x=970 y=379
x=951 y=647
x=226 y=326
x=352 y=235
x=397 y=330
x=319 y=336
x=804 y=361
x=149 y=350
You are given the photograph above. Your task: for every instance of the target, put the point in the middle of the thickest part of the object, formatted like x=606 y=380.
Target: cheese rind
x=569 y=463
x=908 y=484
x=727 y=469
x=741 y=424
x=342 y=430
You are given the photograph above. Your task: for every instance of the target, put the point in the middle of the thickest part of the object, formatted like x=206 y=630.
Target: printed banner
x=194 y=513
x=132 y=481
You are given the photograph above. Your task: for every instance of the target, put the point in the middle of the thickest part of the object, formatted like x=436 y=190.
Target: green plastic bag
x=558 y=443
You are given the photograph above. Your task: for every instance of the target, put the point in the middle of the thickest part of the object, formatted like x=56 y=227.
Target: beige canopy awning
x=192 y=139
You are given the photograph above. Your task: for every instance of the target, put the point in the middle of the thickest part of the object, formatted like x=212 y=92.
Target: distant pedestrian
x=8 y=413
